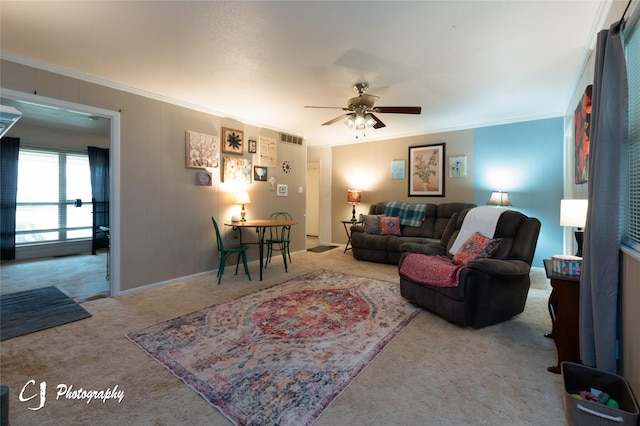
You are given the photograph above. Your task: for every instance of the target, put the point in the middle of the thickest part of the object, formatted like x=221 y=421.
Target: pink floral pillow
x=390 y=225
x=476 y=247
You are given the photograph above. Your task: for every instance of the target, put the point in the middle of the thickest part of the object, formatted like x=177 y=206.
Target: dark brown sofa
x=490 y=290
x=386 y=248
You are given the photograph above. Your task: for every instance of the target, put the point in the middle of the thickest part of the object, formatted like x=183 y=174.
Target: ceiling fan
x=361 y=110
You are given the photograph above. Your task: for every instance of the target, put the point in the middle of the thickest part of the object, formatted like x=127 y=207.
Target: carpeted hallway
x=433 y=373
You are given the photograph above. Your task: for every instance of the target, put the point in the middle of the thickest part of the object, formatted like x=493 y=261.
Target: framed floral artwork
x=426 y=170
x=582 y=121
x=458 y=166
x=201 y=150
x=232 y=141
x=236 y=171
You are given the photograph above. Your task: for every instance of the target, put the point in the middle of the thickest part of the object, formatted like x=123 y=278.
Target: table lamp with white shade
x=573 y=213
x=243 y=198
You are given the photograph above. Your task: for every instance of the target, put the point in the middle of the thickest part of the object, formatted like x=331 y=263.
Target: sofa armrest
x=429 y=249
x=357 y=228
x=500 y=267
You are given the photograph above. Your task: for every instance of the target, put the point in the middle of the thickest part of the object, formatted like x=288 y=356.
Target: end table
x=564 y=305
x=346 y=224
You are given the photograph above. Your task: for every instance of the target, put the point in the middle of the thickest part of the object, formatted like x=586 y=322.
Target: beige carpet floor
x=81 y=277
x=433 y=373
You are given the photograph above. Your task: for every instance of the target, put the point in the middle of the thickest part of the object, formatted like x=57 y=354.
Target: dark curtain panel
x=9 y=148
x=99 y=170
x=609 y=137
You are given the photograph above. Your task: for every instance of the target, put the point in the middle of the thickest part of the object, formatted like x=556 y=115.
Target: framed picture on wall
x=253 y=146
x=397 y=169
x=426 y=170
x=236 y=171
x=582 y=121
x=232 y=141
x=458 y=166
x=283 y=190
x=259 y=173
x=201 y=150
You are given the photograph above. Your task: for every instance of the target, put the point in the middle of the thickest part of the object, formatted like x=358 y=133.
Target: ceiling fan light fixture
x=350 y=122
x=369 y=121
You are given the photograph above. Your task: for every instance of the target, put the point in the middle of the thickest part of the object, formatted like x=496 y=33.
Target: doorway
x=313 y=199
x=52 y=115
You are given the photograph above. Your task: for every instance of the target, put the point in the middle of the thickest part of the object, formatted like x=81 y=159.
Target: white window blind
x=632 y=200
x=48 y=184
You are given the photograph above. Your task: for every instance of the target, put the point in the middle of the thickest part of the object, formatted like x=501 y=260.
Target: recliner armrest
x=429 y=249
x=500 y=267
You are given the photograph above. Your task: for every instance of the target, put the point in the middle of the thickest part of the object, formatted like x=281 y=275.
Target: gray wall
x=165 y=219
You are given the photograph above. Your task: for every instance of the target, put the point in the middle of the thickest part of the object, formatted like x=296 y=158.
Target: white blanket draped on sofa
x=479 y=219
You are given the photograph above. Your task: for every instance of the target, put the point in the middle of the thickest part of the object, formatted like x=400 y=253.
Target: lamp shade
x=499 y=198
x=243 y=198
x=573 y=213
x=354 y=195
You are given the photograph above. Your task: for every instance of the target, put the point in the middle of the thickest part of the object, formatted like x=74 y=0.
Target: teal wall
x=526 y=160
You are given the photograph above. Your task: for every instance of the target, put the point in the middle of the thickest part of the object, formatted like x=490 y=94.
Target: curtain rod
x=621 y=20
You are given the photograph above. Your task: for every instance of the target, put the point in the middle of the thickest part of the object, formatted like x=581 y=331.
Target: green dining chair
x=225 y=251
x=279 y=238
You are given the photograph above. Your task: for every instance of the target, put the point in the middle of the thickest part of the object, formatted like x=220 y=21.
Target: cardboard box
x=583 y=412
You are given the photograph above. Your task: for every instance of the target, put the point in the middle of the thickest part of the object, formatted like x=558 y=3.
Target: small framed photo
x=397 y=169
x=283 y=190
x=232 y=141
x=253 y=146
x=259 y=173
x=458 y=166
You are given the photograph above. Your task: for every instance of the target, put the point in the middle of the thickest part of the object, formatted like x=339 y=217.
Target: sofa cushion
x=477 y=246
x=371 y=223
x=390 y=225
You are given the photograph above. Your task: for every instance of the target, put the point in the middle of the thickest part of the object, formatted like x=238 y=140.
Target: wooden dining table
x=260 y=226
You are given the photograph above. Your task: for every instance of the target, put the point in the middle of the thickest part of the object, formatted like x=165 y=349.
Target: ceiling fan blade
x=337 y=119
x=327 y=107
x=379 y=124
x=399 y=110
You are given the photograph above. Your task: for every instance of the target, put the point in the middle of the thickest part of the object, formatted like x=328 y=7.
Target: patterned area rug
x=281 y=355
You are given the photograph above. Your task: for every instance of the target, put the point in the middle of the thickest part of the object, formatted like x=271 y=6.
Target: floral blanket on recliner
x=437 y=271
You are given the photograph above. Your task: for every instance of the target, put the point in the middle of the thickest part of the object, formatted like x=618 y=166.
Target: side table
x=564 y=305
x=346 y=224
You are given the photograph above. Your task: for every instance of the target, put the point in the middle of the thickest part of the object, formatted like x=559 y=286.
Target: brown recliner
x=490 y=290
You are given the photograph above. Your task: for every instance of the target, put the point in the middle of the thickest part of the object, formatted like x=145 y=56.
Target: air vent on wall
x=296 y=140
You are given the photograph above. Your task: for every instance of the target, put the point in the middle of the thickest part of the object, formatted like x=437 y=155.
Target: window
x=49 y=182
x=631 y=232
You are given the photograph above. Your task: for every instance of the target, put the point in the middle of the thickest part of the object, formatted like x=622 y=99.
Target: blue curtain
x=609 y=138
x=9 y=148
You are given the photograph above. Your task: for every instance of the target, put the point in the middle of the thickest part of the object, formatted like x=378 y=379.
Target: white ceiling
x=467 y=63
